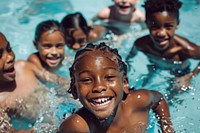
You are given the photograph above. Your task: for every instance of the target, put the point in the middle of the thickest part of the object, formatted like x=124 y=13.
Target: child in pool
x=162 y=45
x=49 y=41
x=121 y=15
x=98 y=79
x=77 y=32
x=18 y=83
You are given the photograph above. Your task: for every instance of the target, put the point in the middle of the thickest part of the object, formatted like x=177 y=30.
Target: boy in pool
x=121 y=15
x=98 y=79
x=19 y=83
x=49 y=41
x=77 y=32
x=163 y=47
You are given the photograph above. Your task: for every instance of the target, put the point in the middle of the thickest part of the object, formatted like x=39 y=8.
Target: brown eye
x=110 y=77
x=85 y=80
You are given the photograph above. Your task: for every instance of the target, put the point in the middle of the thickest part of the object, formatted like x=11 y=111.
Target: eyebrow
x=106 y=68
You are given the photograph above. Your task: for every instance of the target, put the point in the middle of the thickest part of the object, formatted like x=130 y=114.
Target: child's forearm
x=196 y=70
x=163 y=115
x=160 y=107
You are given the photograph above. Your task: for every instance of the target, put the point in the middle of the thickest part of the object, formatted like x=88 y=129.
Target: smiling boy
x=165 y=49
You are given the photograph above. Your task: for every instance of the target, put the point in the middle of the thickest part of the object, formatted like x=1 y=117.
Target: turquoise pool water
x=19 y=19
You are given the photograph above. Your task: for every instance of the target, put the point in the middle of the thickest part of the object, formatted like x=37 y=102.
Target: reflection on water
x=18 y=22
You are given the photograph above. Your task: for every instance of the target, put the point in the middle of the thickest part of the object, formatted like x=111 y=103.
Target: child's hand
x=183 y=83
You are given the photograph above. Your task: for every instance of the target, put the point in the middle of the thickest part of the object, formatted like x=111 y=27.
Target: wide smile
x=54 y=61
x=100 y=103
x=10 y=71
x=124 y=8
x=163 y=42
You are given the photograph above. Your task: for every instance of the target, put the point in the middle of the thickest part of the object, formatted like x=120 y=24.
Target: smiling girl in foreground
x=98 y=79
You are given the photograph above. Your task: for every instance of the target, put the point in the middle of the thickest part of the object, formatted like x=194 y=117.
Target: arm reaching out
x=160 y=107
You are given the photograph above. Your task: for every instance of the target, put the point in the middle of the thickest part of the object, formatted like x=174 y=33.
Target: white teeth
x=101 y=101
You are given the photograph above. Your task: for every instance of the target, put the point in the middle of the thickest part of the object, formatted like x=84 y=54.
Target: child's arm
x=47 y=76
x=33 y=58
x=160 y=107
x=102 y=15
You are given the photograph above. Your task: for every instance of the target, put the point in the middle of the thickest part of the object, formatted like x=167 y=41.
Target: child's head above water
x=76 y=30
x=49 y=41
x=7 y=59
x=99 y=53
x=125 y=6
x=162 y=19
x=153 y=6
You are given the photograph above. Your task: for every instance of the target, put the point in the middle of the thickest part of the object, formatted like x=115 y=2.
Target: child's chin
x=125 y=11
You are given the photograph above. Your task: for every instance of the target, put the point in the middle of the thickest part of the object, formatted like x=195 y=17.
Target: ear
x=35 y=44
x=126 y=85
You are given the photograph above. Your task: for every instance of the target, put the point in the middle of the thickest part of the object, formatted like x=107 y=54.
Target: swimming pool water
x=19 y=19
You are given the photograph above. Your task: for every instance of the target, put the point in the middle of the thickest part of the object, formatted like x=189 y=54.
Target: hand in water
x=183 y=83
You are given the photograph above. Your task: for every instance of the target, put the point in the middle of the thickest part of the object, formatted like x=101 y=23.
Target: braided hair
x=103 y=47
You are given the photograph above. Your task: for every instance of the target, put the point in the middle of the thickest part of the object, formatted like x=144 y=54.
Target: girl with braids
x=99 y=81
x=165 y=49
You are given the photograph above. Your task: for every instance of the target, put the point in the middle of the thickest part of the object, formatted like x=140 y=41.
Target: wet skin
x=100 y=89
x=51 y=48
x=162 y=26
x=108 y=106
x=7 y=58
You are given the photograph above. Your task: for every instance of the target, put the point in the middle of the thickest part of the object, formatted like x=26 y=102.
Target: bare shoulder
x=24 y=66
x=140 y=15
x=21 y=64
x=183 y=41
x=74 y=124
x=140 y=98
x=141 y=43
x=33 y=58
x=188 y=46
x=104 y=13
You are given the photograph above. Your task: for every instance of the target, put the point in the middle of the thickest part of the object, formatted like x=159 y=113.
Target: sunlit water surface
x=18 y=22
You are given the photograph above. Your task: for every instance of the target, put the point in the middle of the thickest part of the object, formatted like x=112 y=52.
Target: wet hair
x=90 y=47
x=47 y=25
x=152 y=6
x=75 y=20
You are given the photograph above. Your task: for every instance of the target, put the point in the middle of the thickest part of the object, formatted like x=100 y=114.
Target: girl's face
x=51 y=48
x=162 y=26
x=100 y=85
x=7 y=59
x=125 y=6
x=76 y=38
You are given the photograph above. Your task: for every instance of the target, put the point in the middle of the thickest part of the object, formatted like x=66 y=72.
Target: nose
x=161 y=33
x=10 y=57
x=54 y=51
x=99 y=86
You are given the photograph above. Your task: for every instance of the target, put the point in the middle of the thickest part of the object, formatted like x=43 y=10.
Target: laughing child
x=165 y=49
x=99 y=81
